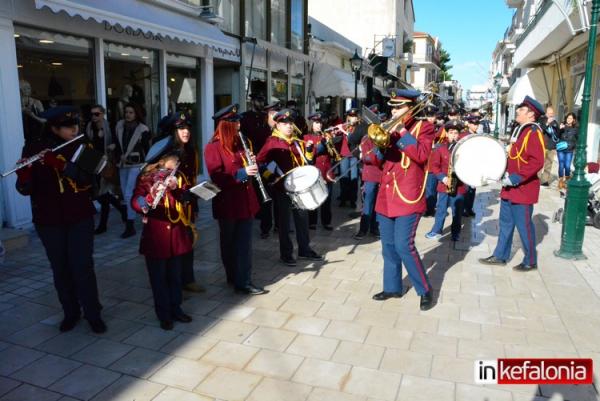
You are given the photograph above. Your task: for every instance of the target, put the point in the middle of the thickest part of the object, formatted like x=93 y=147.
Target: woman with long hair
x=133 y=142
x=184 y=144
x=568 y=135
x=236 y=205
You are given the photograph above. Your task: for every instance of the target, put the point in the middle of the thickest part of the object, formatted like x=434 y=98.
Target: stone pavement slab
x=318 y=335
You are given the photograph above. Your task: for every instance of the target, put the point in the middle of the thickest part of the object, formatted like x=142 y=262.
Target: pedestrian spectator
x=99 y=133
x=551 y=132
x=565 y=148
x=133 y=142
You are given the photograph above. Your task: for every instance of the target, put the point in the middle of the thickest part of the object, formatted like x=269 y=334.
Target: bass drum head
x=301 y=178
x=477 y=158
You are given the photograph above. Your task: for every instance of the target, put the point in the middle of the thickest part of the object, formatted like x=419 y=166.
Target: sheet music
x=205 y=190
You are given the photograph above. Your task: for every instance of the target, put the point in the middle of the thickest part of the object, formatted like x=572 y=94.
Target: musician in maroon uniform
x=179 y=125
x=521 y=187
x=235 y=206
x=322 y=160
x=61 y=204
x=450 y=191
x=168 y=231
x=400 y=201
x=283 y=152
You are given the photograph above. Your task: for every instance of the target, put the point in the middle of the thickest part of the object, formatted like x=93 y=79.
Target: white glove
x=506 y=182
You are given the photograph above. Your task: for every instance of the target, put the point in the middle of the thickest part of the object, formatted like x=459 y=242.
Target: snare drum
x=306 y=187
x=478 y=159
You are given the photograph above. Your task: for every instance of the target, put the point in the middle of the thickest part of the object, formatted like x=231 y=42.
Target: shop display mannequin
x=31 y=108
x=126 y=93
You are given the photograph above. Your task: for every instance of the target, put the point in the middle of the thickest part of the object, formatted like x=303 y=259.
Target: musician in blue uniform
x=63 y=216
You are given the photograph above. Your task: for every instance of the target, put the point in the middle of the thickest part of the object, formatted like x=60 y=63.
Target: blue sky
x=468 y=30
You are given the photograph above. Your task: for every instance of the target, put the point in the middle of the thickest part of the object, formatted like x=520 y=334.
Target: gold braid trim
x=185 y=218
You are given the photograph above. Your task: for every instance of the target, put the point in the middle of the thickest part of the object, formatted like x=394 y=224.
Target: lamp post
x=356 y=64
x=497 y=82
x=573 y=228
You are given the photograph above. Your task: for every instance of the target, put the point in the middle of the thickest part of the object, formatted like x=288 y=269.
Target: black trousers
x=286 y=247
x=324 y=209
x=267 y=210
x=165 y=279
x=236 y=250
x=105 y=201
x=187 y=268
x=69 y=249
x=348 y=190
x=469 y=199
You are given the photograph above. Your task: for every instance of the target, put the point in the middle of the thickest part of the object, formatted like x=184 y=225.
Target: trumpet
x=380 y=133
x=38 y=156
x=333 y=152
x=340 y=127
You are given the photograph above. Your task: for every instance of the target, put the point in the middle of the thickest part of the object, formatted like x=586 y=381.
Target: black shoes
x=68 y=324
x=264 y=235
x=288 y=261
x=183 y=318
x=98 y=326
x=426 y=301
x=521 y=267
x=360 y=235
x=328 y=227
x=545 y=184
x=311 y=255
x=166 y=324
x=100 y=230
x=312 y=227
x=492 y=260
x=468 y=213
x=251 y=289
x=382 y=296
x=129 y=230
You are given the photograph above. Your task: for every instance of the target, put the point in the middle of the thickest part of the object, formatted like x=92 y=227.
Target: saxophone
x=452 y=185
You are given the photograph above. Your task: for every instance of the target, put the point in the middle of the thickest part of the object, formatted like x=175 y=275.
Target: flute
x=38 y=156
x=261 y=186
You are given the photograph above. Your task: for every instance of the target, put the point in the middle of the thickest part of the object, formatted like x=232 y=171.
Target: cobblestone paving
x=317 y=336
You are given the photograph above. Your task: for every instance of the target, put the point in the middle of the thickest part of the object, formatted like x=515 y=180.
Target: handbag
x=562 y=145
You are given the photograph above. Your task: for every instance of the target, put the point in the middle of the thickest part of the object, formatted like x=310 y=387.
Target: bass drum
x=306 y=187
x=479 y=159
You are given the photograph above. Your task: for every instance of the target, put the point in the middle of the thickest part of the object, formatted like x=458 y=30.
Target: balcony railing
x=539 y=13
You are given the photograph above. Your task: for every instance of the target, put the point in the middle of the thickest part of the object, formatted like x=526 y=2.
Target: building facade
x=165 y=55
x=426 y=60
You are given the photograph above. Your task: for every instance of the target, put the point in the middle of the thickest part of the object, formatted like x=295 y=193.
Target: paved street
x=317 y=336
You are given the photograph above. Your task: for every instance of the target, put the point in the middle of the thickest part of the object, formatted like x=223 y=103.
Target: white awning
x=331 y=81
x=531 y=84
x=149 y=19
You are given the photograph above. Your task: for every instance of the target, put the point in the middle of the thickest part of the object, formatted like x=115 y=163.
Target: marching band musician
x=521 y=187
x=236 y=205
x=179 y=126
x=322 y=160
x=253 y=122
x=61 y=204
x=349 y=180
x=282 y=153
x=430 y=112
x=450 y=191
x=400 y=201
x=472 y=126
x=370 y=177
x=168 y=231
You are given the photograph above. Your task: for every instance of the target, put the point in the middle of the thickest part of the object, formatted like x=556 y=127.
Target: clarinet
x=261 y=186
x=163 y=189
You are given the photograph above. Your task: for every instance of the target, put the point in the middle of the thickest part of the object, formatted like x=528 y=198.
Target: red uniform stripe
x=413 y=252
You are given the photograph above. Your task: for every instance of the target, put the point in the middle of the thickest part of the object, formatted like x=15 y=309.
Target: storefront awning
x=331 y=81
x=149 y=19
x=531 y=84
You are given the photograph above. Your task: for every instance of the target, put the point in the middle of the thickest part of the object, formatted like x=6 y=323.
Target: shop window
x=297 y=27
x=132 y=77
x=279 y=86
x=256 y=22
x=228 y=10
x=297 y=82
x=258 y=82
x=278 y=22
x=54 y=69
x=183 y=91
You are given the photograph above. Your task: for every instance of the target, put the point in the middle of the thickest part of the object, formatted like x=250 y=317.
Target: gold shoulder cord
x=518 y=157
x=417 y=129
x=70 y=181
x=289 y=141
x=184 y=214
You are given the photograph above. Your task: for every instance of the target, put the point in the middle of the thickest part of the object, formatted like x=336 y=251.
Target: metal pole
x=355 y=89
x=496 y=130
x=573 y=228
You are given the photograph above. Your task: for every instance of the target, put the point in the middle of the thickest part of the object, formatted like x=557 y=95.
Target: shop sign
x=131 y=32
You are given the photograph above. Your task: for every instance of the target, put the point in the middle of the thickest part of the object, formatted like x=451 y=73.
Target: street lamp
x=497 y=82
x=356 y=64
x=573 y=228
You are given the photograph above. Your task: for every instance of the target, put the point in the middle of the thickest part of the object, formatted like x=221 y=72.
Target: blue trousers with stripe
x=514 y=215
x=398 y=247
